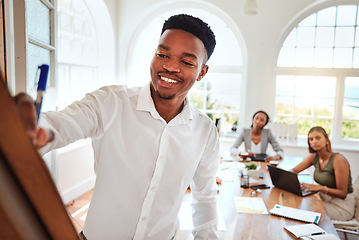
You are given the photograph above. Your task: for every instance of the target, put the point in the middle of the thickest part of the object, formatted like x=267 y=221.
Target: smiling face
x=179 y=61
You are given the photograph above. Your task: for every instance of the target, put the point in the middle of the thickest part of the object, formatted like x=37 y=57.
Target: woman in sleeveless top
x=256 y=138
x=332 y=175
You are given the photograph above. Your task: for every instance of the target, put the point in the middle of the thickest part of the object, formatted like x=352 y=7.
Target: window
x=218 y=93
x=77 y=56
x=40 y=46
x=350 y=121
x=304 y=100
x=316 y=82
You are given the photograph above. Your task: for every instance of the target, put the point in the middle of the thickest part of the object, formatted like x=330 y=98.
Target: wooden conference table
x=262 y=226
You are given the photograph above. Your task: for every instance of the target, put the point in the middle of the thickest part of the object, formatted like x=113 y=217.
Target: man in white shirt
x=149 y=143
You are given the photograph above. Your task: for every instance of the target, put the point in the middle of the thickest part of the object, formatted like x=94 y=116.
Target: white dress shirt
x=143 y=165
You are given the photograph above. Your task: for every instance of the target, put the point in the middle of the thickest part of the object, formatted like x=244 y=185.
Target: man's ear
x=203 y=72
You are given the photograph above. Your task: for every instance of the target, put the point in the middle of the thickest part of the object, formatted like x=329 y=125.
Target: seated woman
x=332 y=173
x=256 y=138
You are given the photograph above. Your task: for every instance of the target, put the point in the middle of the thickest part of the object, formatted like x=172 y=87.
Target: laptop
x=287 y=180
x=259 y=157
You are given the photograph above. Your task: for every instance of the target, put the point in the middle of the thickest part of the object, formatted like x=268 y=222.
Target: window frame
x=339 y=73
x=22 y=40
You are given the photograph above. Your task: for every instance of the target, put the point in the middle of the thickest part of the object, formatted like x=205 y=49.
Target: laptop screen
x=286 y=180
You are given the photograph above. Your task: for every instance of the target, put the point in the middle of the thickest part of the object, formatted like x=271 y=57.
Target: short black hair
x=194 y=26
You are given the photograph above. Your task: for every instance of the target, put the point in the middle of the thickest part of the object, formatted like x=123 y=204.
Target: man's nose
x=172 y=66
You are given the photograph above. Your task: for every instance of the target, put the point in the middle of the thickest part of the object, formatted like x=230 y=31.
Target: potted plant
x=252 y=170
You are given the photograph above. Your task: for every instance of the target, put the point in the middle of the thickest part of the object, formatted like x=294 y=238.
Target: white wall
x=75 y=170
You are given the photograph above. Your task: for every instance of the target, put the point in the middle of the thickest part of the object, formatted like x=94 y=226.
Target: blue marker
x=41 y=87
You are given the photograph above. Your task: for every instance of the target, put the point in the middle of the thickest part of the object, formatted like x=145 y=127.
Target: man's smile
x=168 y=80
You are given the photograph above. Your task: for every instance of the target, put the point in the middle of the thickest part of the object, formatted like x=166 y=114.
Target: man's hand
x=26 y=107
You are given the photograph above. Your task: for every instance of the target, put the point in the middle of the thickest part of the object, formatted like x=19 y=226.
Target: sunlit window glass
x=40 y=45
x=350 y=124
x=325 y=42
x=305 y=100
x=326 y=39
x=327 y=17
x=346 y=15
x=77 y=55
x=38 y=14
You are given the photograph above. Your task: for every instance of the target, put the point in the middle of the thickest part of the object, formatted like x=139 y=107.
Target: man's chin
x=165 y=96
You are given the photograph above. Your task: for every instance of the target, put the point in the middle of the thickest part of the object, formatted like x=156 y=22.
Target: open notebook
x=295 y=214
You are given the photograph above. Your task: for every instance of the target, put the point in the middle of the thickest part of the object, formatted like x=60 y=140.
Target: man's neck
x=167 y=108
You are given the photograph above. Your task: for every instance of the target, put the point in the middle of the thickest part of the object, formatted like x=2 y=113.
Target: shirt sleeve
x=80 y=120
x=204 y=192
x=275 y=144
x=234 y=148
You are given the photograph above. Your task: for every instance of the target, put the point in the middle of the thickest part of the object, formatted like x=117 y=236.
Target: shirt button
x=153 y=188
x=143 y=218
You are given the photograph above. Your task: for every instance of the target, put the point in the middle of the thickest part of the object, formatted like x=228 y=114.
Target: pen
x=41 y=87
x=317 y=233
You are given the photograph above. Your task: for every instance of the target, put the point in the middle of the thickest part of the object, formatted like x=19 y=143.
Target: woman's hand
x=26 y=108
x=311 y=187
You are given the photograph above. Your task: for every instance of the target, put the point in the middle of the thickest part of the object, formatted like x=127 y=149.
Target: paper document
x=250 y=205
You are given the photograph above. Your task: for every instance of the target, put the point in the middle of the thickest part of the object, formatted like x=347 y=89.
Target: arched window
x=317 y=79
x=86 y=55
x=218 y=93
x=77 y=55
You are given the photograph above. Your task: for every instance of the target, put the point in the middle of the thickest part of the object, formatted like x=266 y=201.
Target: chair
x=351 y=226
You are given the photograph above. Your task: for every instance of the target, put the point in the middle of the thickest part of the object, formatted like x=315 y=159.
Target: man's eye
x=161 y=55
x=188 y=63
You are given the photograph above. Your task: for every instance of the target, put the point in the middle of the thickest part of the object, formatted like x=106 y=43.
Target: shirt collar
x=145 y=103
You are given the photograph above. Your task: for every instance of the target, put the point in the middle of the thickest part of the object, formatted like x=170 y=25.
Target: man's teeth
x=168 y=80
